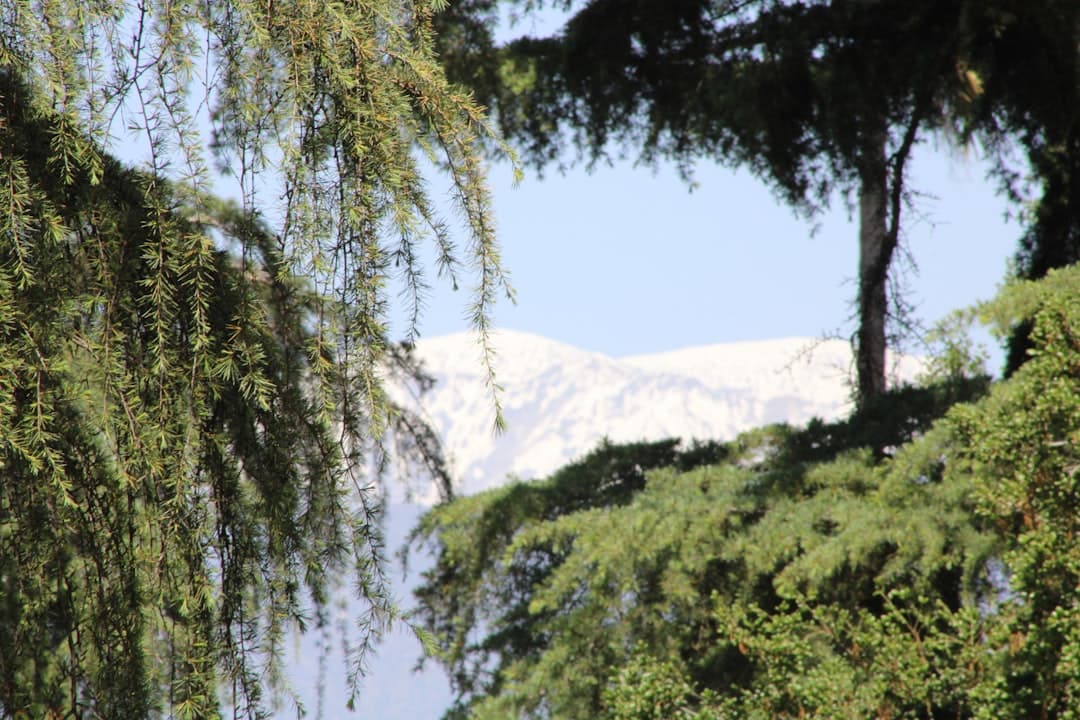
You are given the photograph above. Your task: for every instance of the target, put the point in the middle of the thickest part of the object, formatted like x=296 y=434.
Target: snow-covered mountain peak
x=560 y=401
x=518 y=354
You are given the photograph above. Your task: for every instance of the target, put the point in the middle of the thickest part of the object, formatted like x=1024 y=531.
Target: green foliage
x=898 y=564
x=1026 y=441
x=532 y=618
x=486 y=572
x=913 y=658
x=191 y=404
x=954 y=354
x=317 y=108
x=648 y=688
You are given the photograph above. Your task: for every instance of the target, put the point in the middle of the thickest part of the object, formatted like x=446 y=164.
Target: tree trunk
x=875 y=255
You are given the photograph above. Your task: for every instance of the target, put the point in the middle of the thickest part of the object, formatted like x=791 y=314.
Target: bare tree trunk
x=875 y=255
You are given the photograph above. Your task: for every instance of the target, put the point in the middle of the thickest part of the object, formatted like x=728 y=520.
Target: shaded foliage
x=1027 y=57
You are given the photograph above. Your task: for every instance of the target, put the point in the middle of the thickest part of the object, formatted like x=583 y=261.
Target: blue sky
x=625 y=260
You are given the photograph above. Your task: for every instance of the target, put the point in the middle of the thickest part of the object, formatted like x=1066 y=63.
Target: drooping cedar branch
x=192 y=399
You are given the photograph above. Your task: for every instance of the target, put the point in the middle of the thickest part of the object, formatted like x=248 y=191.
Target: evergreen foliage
x=484 y=578
x=918 y=562
x=192 y=416
x=1025 y=440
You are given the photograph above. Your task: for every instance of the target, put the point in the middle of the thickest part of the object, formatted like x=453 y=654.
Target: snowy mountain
x=559 y=401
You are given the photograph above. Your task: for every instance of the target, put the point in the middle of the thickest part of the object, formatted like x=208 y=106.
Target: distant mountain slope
x=560 y=401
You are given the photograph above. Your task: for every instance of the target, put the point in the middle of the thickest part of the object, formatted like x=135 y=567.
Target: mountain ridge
x=559 y=401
